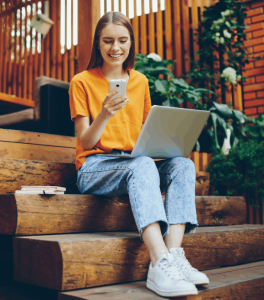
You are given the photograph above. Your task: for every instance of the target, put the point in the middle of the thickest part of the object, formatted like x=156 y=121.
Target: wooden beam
x=16 y=100
x=75 y=261
x=17 y=172
x=17 y=117
x=239 y=282
x=48 y=214
x=88 y=16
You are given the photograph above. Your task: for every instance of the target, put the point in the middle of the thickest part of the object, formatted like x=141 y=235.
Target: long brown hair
x=112 y=17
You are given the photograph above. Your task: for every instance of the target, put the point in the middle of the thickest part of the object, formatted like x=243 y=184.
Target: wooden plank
x=46 y=50
x=71 y=52
x=151 y=30
x=5 y=43
x=54 y=38
x=88 y=16
x=186 y=34
x=58 y=49
x=42 y=52
x=15 y=172
x=49 y=214
x=168 y=30
x=25 y=77
x=159 y=24
x=10 y=49
x=17 y=100
x=177 y=37
x=240 y=282
x=136 y=28
x=143 y=30
x=14 y=70
x=30 y=65
x=37 y=152
x=40 y=173
x=1 y=43
x=20 y=54
x=35 y=138
x=195 y=23
x=74 y=261
x=17 y=117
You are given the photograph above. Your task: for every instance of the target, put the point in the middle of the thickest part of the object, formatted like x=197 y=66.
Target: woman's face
x=114 y=44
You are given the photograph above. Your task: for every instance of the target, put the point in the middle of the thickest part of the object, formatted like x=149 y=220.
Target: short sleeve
x=78 y=100
x=147 y=102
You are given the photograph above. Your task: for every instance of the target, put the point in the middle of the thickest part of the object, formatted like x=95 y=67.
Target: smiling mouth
x=115 y=56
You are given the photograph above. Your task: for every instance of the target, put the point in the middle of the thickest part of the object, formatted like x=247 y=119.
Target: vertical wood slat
x=30 y=69
x=36 y=56
x=5 y=50
x=25 y=57
x=20 y=55
x=47 y=48
x=151 y=29
x=10 y=49
x=71 y=57
x=136 y=28
x=112 y=5
x=168 y=30
x=58 y=49
x=177 y=37
x=195 y=28
x=127 y=8
x=143 y=30
x=65 y=55
x=105 y=6
x=120 y=6
x=54 y=38
x=159 y=33
x=1 y=44
x=238 y=100
x=14 y=67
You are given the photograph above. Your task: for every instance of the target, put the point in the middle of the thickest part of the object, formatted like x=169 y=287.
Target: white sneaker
x=190 y=273
x=166 y=279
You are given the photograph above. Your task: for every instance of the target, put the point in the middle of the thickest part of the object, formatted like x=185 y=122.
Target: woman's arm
x=89 y=135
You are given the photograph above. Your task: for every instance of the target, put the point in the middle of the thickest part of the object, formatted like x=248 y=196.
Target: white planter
x=226 y=145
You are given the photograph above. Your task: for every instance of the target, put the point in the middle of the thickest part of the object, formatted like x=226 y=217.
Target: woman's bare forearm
x=91 y=136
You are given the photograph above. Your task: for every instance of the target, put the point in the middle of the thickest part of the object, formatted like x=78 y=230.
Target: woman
x=106 y=126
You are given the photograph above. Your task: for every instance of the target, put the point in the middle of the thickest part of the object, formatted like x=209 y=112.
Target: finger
x=119 y=100
x=110 y=95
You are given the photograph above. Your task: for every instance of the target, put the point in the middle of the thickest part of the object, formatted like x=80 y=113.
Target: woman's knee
x=183 y=166
x=145 y=166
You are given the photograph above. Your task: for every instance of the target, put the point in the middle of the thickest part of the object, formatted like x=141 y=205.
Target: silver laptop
x=168 y=132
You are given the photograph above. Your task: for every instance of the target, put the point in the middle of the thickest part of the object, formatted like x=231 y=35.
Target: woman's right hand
x=111 y=107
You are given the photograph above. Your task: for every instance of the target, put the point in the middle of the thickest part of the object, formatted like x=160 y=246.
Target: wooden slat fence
x=170 y=34
x=25 y=55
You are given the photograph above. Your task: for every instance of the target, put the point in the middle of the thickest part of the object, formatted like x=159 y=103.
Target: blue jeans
x=144 y=180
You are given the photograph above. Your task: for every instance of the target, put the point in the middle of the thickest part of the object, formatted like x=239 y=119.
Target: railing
x=24 y=54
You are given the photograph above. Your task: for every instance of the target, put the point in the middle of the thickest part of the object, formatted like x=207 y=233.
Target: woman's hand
x=111 y=107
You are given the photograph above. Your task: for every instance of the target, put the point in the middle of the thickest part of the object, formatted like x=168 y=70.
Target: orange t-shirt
x=87 y=91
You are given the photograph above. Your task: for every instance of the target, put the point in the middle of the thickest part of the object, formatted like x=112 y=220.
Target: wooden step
x=37 y=146
x=241 y=282
x=48 y=214
x=17 y=172
x=75 y=261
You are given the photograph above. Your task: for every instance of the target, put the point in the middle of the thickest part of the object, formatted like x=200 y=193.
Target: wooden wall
x=20 y=65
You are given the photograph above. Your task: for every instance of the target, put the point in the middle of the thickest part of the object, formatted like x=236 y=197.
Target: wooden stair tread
x=21 y=116
x=17 y=172
x=74 y=261
x=48 y=214
x=11 y=103
x=239 y=282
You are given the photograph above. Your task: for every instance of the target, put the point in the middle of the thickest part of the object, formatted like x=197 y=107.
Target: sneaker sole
x=153 y=288
x=197 y=282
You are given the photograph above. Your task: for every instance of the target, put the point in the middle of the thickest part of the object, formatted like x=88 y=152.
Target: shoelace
x=172 y=270
x=184 y=263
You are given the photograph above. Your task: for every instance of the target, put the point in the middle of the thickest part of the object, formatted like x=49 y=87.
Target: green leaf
x=223 y=109
x=214 y=121
x=239 y=116
x=180 y=82
x=159 y=86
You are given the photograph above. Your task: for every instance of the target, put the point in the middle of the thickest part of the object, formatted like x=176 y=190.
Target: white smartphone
x=120 y=85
